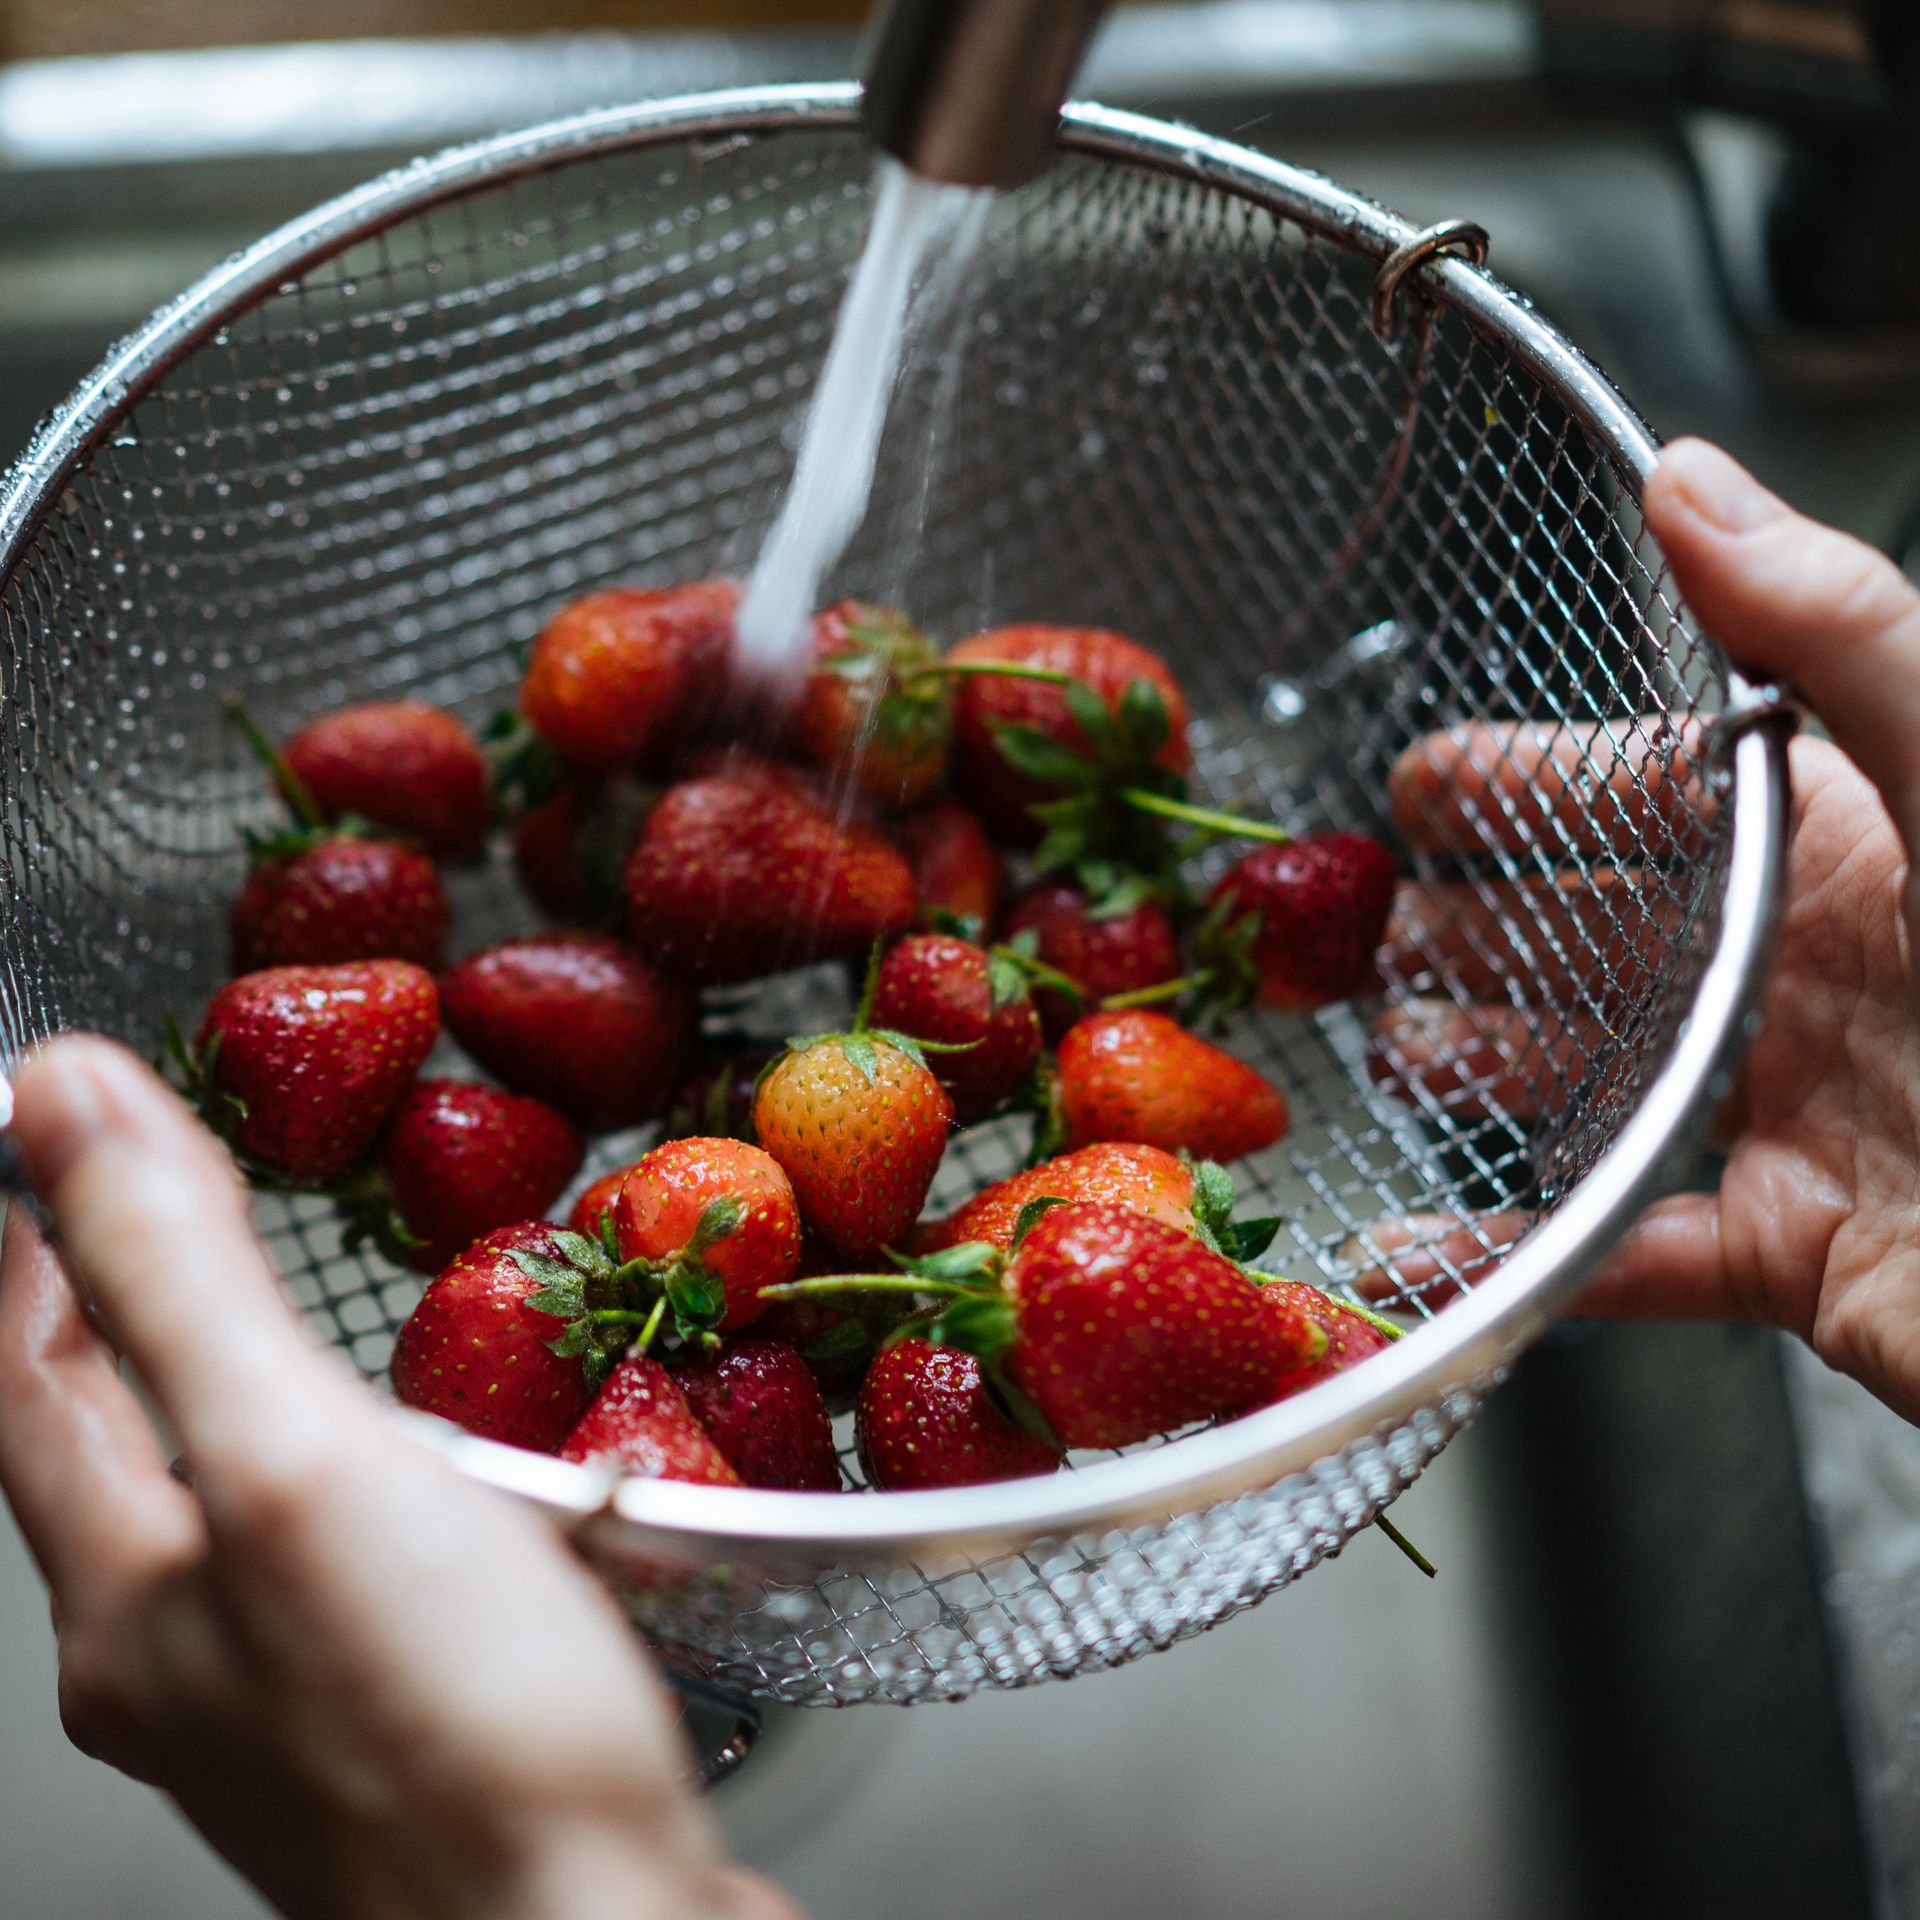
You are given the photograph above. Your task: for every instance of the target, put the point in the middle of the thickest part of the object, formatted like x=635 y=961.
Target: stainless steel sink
x=1668 y=1666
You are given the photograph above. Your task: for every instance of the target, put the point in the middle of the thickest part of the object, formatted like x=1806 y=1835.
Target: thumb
x=1793 y=599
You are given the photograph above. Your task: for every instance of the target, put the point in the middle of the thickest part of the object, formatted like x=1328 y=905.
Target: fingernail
x=1718 y=489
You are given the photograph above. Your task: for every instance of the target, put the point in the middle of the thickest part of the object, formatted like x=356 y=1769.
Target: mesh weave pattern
x=1150 y=405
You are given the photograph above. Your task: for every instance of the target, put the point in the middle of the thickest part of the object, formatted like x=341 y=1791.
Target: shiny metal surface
x=970 y=91
x=374 y=449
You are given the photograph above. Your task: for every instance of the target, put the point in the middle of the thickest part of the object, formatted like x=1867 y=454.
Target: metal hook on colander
x=1464 y=237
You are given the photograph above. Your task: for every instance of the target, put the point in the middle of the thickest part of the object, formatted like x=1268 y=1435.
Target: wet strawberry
x=576 y=1019
x=1143 y=1178
x=1309 y=917
x=477 y=1351
x=402 y=765
x=942 y=989
x=955 y=866
x=926 y=1419
x=859 y=1122
x=1104 y=949
x=995 y=778
x=460 y=1159
x=1141 y=1077
x=763 y=1409
x=299 y=1067
x=719 y=1220
x=615 y=678
x=869 y=710
x=734 y=878
x=319 y=901
x=596 y=1203
x=640 y=1421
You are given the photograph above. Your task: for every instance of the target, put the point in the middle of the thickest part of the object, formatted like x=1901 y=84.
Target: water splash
x=833 y=477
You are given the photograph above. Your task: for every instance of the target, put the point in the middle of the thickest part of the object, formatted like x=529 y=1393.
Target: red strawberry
x=926 y=1419
x=734 y=878
x=955 y=865
x=719 y=1219
x=462 y=1159
x=1108 y=663
x=300 y=1066
x=576 y=1019
x=1143 y=1178
x=475 y=1350
x=1309 y=915
x=401 y=764
x=640 y=1421
x=1142 y=1077
x=764 y=1411
x=571 y=847
x=859 y=1122
x=837 y=1339
x=597 y=1201
x=1346 y=1338
x=1102 y=952
x=949 y=991
x=864 y=711
x=318 y=902
x=616 y=676
x=1123 y=1327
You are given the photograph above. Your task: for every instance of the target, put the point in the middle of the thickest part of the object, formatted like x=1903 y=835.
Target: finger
x=1460 y=1064
x=1599 y=939
x=153 y=1224
x=1789 y=597
x=1429 y=1257
x=1626 y=788
x=79 y=1463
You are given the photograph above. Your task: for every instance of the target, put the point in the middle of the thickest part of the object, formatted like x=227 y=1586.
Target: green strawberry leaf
x=575 y=1341
x=1213 y=1195
x=1120 y=896
x=1143 y=721
x=961 y=926
x=1090 y=714
x=562 y=1295
x=970 y=1260
x=719 y=1218
x=1032 y=1214
x=858 y=1047
x=980 y=1323
x=1041 y=757
x=1006 y=981
x=1243 y=1240
x=696 y=1295
x=577 y=1249
x=1016 y=1405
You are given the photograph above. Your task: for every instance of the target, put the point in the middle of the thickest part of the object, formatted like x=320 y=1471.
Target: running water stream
x=833 y=477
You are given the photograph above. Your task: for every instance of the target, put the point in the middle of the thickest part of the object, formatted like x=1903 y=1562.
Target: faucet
x=969 y=91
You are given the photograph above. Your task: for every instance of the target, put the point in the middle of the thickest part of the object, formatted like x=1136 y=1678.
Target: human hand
x=1816 y=1223
x=382 y=1692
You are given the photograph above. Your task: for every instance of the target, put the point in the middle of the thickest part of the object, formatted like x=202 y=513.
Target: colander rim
x=1457 y=1352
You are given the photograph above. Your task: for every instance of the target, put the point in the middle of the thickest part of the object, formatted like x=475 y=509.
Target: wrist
x=595 y=1872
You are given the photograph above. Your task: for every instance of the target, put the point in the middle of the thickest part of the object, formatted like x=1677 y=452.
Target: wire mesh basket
x=1174 y=396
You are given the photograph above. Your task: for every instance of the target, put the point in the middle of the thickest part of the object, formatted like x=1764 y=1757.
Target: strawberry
x=938 y=988
x=1140 y=1076
x=717 y=1220
x=926 y=1419
x=865 y=710
x=401 y=764
x=591 y=1213
x=763 y=1409
x=460 y=1159
x=955 y=866
x=736 y=877
x=1124 y=945
x=481 y=1350
x=640 y=1421
x=318 y=901
x=1347 y=1337
x=1118 y=1327
x=859 y=1122
x=1300 y=923
x=1143 y=1178
x=570 y=847
x=1015 y=740
x=298 y=1067
x=716 y=1098
x=837 y=1340
x=576 y=1019
x=617 y=676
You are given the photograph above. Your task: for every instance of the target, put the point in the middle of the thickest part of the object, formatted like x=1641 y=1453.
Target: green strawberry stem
x=1208 y=817
x=1377 y=1321
x=865 y=1283
x=986 y=670
x=1037 y=972
x=293 y=790
x=1160 y=991
x=1406 y=1546
x=648 y=1323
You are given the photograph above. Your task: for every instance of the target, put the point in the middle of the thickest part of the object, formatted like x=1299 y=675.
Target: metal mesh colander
x=370 y=457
